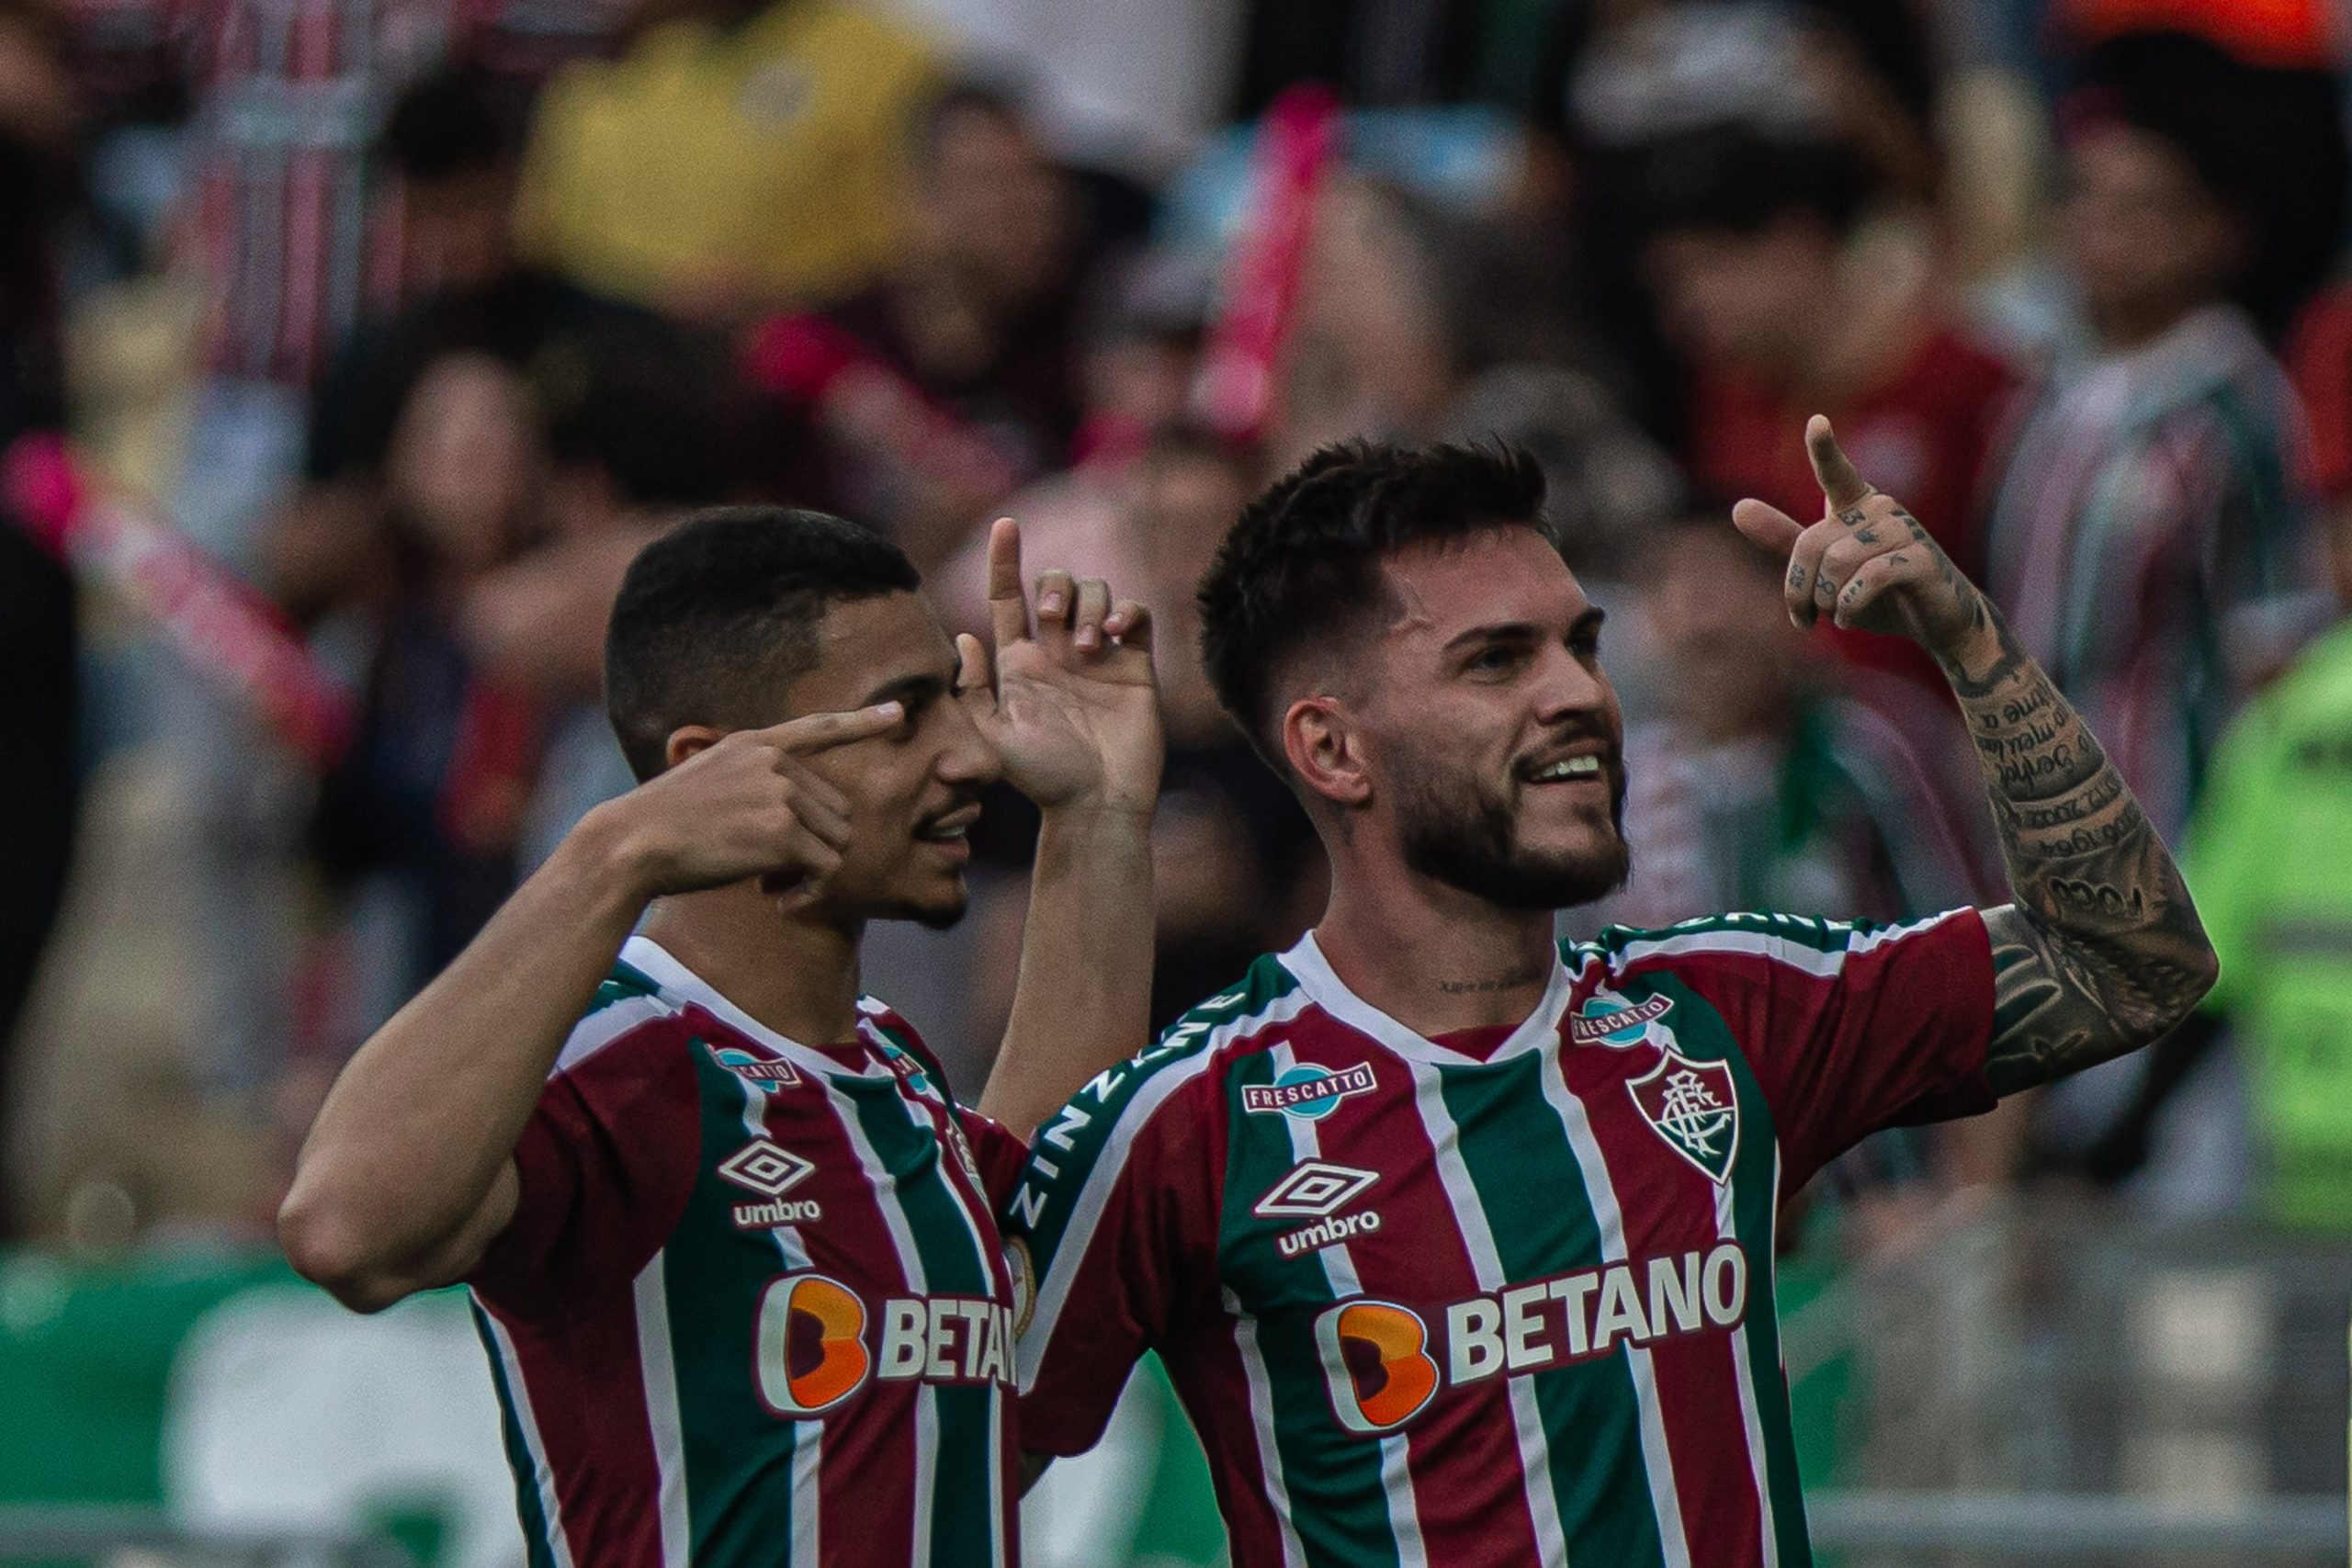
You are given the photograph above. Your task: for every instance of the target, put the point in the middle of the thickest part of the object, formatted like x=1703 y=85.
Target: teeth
x=1571 y=768
x=944 y=835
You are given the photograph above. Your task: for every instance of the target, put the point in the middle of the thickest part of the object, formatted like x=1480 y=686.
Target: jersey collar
x=675 y=979
x=1326 y=989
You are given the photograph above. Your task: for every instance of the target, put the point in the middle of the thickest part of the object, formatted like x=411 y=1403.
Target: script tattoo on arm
x=2102 y=951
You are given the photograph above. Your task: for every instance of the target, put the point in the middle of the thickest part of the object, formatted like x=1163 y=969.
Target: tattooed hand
x=2102 y=951
x=1867 y=563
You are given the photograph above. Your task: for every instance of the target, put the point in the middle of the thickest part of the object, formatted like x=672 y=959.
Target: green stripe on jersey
x=1533 y=1194
x=962 y=1499
x=739 y=1455
x=1332 y=1477
x=1073 y=1141
x=625 y=981
x=1701 y=1034
x=1803 y=930
x=537 y=1543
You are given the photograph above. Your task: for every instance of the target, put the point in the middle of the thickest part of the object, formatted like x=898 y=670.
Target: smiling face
x=1491 y=750
x=914 y=792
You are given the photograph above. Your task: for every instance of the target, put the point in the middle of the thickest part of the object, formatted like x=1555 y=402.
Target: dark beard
x=1465 y=836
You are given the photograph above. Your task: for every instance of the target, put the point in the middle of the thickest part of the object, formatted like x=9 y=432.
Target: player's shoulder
x=630 y=1014
x=1180 y=1074
x=897 y=1032
x=1806 y=943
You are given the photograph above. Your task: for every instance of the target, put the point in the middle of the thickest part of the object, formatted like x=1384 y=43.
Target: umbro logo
x=765 y=1168
x=1313 y=1189
x=770 y=1170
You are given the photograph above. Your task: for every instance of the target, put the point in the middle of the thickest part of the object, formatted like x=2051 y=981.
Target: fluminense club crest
x=1695 y=1108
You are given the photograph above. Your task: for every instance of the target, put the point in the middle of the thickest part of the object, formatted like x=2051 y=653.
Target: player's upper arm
x=600 y=1176
x=1113 y=1224
x=1849 y=1027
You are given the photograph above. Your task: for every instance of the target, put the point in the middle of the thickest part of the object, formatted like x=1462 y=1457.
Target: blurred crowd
x=412 y=320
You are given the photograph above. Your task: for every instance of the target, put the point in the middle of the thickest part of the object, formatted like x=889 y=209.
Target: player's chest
x=866 y=1177
x=1354 y=1171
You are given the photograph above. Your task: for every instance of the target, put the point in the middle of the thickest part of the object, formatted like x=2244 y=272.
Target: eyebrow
x=1587 y=620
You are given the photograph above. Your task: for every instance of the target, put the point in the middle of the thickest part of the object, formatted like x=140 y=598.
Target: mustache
x=962 y=800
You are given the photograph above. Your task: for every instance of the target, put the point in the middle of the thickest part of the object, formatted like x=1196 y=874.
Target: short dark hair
x=719 y=615
x=1738 y=179
x=1303 y=563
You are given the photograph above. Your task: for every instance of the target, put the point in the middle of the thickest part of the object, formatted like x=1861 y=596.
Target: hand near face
x=1868 y=563
x=747 y=805
x=1072 y=704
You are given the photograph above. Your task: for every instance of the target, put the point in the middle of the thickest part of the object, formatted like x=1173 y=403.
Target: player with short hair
x=1458 y=1244
x=732 y=1244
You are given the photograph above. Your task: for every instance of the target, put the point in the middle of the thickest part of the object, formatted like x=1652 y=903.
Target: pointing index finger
x=1840 y=482
x=1008 y=608
x=823 y=731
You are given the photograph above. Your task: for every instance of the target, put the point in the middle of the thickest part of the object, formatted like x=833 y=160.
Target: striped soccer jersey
x=754 y=1307
x=1427 y=1308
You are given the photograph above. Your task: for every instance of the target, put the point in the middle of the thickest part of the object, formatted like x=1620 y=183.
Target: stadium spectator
x=433 y=790
x=2266 y=858
x=1751 y=249
x=1758 y=785
x=973 y=321
x=742 y=155
x=2152 y=538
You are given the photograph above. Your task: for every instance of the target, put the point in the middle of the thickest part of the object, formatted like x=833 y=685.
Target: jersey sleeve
x=606 y=1163
x=1849 y=1028
x=1113 y=1226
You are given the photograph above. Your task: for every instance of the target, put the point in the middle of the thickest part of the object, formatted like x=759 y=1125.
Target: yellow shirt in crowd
x=713 y=170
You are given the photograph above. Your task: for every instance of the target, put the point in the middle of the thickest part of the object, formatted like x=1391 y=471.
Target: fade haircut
x=1301 y=568
x=717 y=617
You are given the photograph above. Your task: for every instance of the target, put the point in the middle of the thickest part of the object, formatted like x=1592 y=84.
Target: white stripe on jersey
x=1780 y=949
x=606 y=1024
x=1750 y=1418
x=1262 y=1418
x=808 y=1437
x=1102 y=1177
x=1657 y=1458
x=542 y=1473
x=1339 y=1272
x=1486 y=1263
x=661 y=1413
x=683 y=984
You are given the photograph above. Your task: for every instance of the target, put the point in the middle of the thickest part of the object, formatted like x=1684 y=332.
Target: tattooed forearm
x=2102 y=950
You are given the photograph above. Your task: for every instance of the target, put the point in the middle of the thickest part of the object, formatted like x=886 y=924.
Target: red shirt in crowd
x=1921 y=434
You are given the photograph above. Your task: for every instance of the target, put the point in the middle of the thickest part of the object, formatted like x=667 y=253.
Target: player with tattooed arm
x=1457 y=1243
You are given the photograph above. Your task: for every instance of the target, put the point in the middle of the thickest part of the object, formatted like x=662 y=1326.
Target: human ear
x=1325 y=747
x=687 y=741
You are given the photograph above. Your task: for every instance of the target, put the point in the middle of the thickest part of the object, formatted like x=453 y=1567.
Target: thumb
x=1769 y=528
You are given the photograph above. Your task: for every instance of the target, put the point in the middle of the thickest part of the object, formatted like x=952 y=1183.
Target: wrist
x=1974 y=648
x=608 y=853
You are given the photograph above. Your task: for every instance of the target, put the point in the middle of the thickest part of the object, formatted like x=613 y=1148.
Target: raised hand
x=1073 y=703
x=746 y=805
x=1868 y=562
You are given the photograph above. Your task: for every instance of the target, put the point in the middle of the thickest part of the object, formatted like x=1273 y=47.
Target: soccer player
x=732 y=1246
x=1458 y=1244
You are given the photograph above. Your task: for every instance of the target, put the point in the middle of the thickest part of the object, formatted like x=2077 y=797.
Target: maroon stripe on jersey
x=1672 y=1207
x=1419 y=1255
x=1214 y=1387
x=585 y=1387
